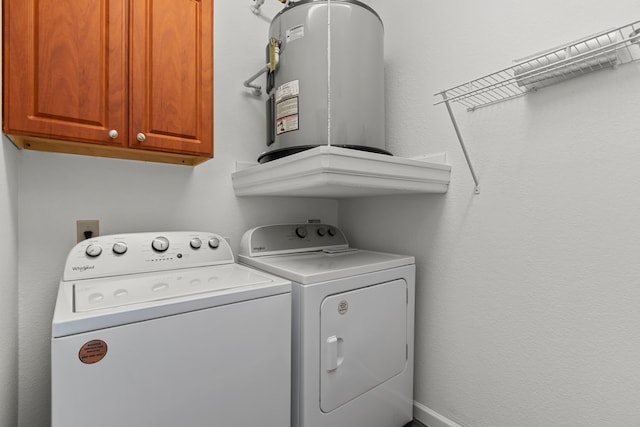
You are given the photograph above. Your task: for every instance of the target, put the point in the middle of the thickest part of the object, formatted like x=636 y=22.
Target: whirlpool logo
x=83 y=268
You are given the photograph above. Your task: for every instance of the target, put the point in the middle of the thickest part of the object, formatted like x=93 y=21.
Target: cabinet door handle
x=141 y=137
x=113 y=134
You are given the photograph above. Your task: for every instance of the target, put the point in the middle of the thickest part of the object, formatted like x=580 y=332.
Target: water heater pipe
x=255 y=8
x=257 y=89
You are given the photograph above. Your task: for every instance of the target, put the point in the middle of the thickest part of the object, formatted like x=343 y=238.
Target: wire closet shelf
x=607 y=49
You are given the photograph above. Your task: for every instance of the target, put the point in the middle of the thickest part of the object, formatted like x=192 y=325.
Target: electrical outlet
x=87 y=228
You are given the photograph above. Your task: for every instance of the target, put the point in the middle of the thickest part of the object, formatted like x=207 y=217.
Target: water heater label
x=287 y=107
x=286 y=124
x=295 y=33
x=288 y=90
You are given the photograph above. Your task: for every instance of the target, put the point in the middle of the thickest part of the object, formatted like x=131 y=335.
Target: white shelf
x=334 y=172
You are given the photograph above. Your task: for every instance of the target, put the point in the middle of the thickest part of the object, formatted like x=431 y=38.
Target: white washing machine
x=353 y=321
x=166 y=330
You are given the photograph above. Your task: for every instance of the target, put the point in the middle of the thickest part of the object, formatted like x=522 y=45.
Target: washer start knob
x=160 y=244
x=195 y=243
x=93 y=250
x=301 y=232
x=119 y=248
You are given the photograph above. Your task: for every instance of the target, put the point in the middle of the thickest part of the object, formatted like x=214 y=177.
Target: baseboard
x=431 y=418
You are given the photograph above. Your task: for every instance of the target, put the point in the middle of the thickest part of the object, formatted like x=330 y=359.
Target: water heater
x=328 y=85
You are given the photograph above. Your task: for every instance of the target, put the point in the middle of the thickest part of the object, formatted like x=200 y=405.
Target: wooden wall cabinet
x=127 y=79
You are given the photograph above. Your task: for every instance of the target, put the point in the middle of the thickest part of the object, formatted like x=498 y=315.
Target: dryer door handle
x=334 y=353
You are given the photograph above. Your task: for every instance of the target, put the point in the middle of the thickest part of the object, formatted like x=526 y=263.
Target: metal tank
x=328 y=85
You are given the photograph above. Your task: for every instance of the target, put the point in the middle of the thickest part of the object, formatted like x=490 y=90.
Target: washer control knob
x=160 y=244
x=195 y=243
x=214 y=243
x=301 y=232
x=331 y=231
x=93 y=250
x=119 y=248
x=322 y=231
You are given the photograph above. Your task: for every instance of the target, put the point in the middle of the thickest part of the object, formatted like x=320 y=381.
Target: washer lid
x=315 y=267
x=87 y=305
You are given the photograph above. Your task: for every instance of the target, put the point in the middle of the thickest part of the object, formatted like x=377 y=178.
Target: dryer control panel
x=132 y=253
x=292 y=238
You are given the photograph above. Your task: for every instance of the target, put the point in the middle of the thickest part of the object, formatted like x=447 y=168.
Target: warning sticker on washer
x=93 y=352
x=287 y=90
x=295 y=33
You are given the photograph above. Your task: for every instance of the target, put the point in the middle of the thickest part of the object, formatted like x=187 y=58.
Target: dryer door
x=363 y=341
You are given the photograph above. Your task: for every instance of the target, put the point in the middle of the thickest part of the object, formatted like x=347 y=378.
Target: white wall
x=9 y=281
x=127 y=196
x=527 y=294
x=8 y=284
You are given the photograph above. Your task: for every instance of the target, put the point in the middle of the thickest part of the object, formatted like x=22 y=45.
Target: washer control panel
x=292 y=238
x=119 y=254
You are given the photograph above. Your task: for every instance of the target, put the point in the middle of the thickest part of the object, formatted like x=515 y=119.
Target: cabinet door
x=171 y=87
x=65 y=65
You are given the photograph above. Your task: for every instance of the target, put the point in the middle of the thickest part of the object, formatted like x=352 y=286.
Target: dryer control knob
x=301 y=232
x=160 y=244
x=322 y=231
x=214 y=243
x=93 y=250
x=195 y=243
x=331 y=231
x=119 y=248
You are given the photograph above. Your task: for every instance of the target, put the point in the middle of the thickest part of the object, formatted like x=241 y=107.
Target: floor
x=415 y=423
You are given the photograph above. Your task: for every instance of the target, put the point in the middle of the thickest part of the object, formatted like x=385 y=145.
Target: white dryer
x=165 y=330
x=353 y=325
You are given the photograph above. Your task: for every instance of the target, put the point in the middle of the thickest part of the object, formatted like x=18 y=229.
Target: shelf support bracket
x=461 y=141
